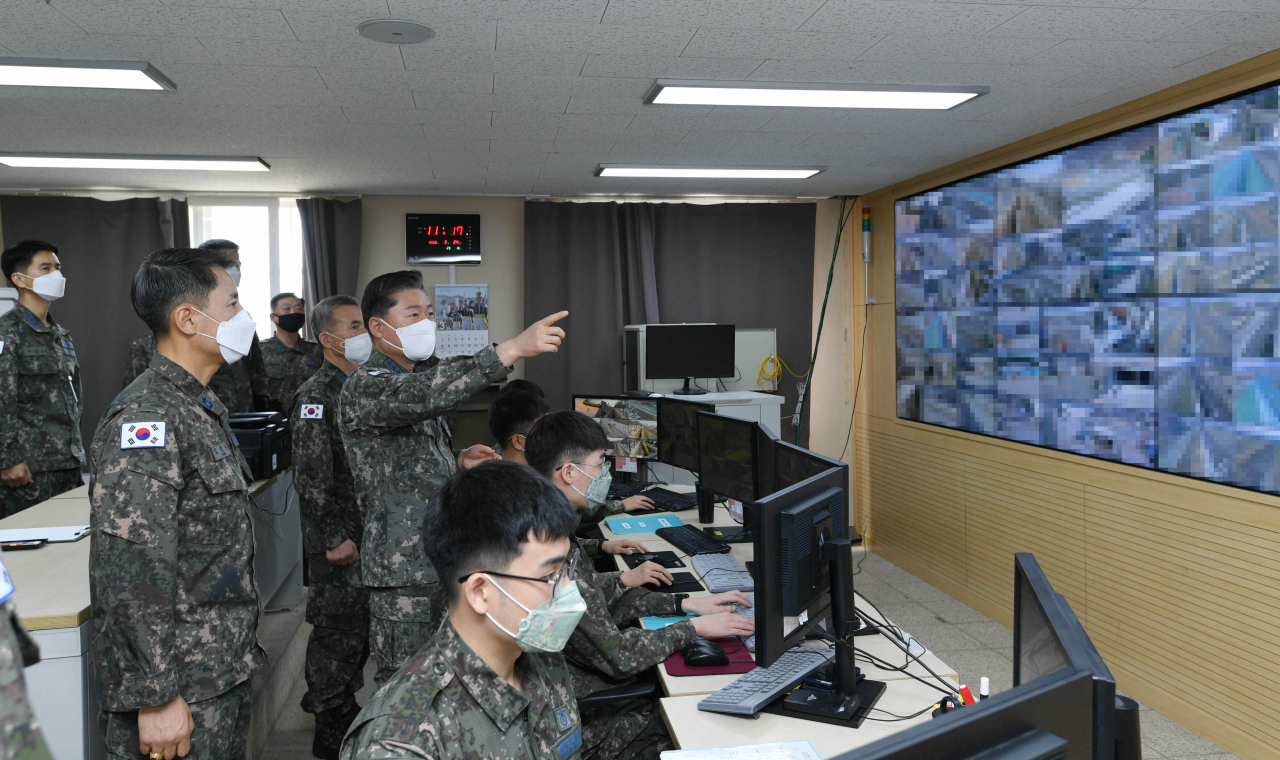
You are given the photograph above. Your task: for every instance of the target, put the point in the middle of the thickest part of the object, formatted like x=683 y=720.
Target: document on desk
x=646 y=524
x=798 y=750
x=59 y=535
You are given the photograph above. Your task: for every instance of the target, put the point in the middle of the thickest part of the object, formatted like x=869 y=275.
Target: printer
x=263 y=438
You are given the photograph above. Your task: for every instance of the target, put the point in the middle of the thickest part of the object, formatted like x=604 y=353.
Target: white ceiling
x=519 y=97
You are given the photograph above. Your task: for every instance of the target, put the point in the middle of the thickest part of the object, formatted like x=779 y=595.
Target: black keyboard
x=619 y=491
x=691 y=541
x=670 y=501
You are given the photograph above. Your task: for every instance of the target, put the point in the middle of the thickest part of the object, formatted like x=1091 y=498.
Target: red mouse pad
x=741 y=660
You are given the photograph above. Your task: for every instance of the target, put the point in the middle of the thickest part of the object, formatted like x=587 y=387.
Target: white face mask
x=235 y=336
x=234 y=274
x=50 y=286
x=355 y=349
x=417 y=341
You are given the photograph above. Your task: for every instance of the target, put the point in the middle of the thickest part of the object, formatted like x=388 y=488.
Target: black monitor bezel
x=702 y=407
x=755 y=459
x=781 y=445
x=573 y=407
x=660 y=329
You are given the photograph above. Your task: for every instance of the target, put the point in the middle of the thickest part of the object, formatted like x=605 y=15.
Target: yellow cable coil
x=773 y=375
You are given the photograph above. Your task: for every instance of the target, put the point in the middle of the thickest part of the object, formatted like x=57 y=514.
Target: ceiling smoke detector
x=395 y=31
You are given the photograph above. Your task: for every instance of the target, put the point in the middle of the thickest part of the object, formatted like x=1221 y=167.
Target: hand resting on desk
x=649 y=572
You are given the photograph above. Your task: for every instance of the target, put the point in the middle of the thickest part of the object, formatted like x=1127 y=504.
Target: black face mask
x=291 y=322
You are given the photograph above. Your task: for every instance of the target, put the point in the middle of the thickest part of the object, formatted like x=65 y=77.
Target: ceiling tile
x=353 y=98
x=213 y=75
x=593 y=38
x=914 y=18
x=420 y=58
x=1231 y=28
x=577 y=122
x=363 y=131
x=26 y=19
x=957 y=50
x=374 y=7
x=341 y=27
x=1243 y=6
x=1222 y=58
x=993 y=75
x=304 y=115
x=471 y=119
x=613 y=87
x=670 y=67
x=451 y=101
x=1096 y=23
x=129 y=18
x=546 y=11
x=160 y=51
x=859 y=72
x=399 y=81
x=753 y=14
x=228 y=95
x=751 y=43
x=1125 y=76
x=1125 y=53
x=600 y=104
x=361 y=54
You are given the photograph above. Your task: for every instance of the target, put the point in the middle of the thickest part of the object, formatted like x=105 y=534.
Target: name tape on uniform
x=142 y=435
x=312 y=412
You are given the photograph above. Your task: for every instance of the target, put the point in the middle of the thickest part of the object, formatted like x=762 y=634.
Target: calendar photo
x=462 y=319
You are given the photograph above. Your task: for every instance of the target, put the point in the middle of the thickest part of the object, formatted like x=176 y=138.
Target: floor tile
x=953 y=611
x=989 y=632
x=1171 y=739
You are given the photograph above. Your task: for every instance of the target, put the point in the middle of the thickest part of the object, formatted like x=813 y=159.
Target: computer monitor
x=630 y=424
x=1048 y=638
x=794 y=464
x=674 y=352
x=678 y=432
x=728 y=456
x=1046 y=719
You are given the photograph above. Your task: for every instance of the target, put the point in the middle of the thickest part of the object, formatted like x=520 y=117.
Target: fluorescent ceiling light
x=172 y=163
x=705 y=172
x=111 y=75
x=804 y=95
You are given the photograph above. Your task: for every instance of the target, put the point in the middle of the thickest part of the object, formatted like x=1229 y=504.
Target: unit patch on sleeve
x=142 y=435
x=311 y=412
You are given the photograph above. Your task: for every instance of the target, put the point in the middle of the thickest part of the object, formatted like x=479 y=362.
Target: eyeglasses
x=602 y=466
x=558 y=582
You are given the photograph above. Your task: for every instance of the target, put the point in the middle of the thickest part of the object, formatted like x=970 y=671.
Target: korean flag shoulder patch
x=311 y=412
x=142 y=435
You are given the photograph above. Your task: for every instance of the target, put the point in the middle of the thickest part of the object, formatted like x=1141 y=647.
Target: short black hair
x=217 y=244
x=513 y=413
x=322 y=314
x=562 y=437
x=481 y=516
x=17 y=258
x=168 y=278
x=524 y=385
x=278 y=297
x=380 y=294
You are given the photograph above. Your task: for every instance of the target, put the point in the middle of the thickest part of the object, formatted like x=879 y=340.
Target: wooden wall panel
x=1176 y=580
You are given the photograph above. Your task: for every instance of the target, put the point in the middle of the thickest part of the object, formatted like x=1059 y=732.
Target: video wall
x=1119 y=299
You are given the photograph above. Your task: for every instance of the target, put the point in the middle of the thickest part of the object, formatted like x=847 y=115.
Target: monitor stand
x=733 y=534
x=689 y=390
x=850 y=701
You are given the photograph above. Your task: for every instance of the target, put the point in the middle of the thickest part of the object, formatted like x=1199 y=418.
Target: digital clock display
x=442 y=238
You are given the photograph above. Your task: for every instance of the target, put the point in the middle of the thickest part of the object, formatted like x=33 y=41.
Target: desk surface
x=52 y=581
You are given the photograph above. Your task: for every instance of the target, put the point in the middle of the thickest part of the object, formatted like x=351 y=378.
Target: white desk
x=691 y=728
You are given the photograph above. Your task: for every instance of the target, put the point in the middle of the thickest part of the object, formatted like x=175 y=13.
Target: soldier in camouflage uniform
x=290 y=361
x=606 y=651
x=392 y=417
x=40 y=395
x=500 y=536
x=332 y=530
x=20 y=736
x=242 y=387
x=174 y=600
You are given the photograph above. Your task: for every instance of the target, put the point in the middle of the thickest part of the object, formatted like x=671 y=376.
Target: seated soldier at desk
x=568 y=448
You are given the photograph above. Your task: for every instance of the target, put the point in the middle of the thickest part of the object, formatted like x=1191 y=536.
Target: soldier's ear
x=475 y=594
x=185 y=319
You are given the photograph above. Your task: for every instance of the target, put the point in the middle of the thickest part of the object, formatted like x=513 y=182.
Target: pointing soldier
x=332 y=528
x=391 y=415
x=174 y=600
x=41 y=450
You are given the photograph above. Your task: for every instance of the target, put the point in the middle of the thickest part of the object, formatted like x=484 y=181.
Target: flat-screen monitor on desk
x=1048 y=638
x=728 y=456
x=678 y=432
x=794 y=464
x=630 y=424
x=684 y=352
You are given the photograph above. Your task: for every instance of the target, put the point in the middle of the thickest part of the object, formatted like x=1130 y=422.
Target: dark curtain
x=746 y=265
x=175 y=223
x=597 y=261
x=100 y=245
x=330 y=247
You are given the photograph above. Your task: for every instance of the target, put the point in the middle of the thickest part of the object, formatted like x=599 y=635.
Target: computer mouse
x=704 y=654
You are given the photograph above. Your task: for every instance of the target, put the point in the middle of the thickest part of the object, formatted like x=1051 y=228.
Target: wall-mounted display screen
x=1119 y=299
x=442 y=238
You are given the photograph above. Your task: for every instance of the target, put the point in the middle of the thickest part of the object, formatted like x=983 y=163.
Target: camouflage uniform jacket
x=606 y=650
x=447 y=703
x=322 y=477
x=288 y=368
x=175 y=602
x=40 y=394
x=235 y=385
x=20 y=737
x=398 y=445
